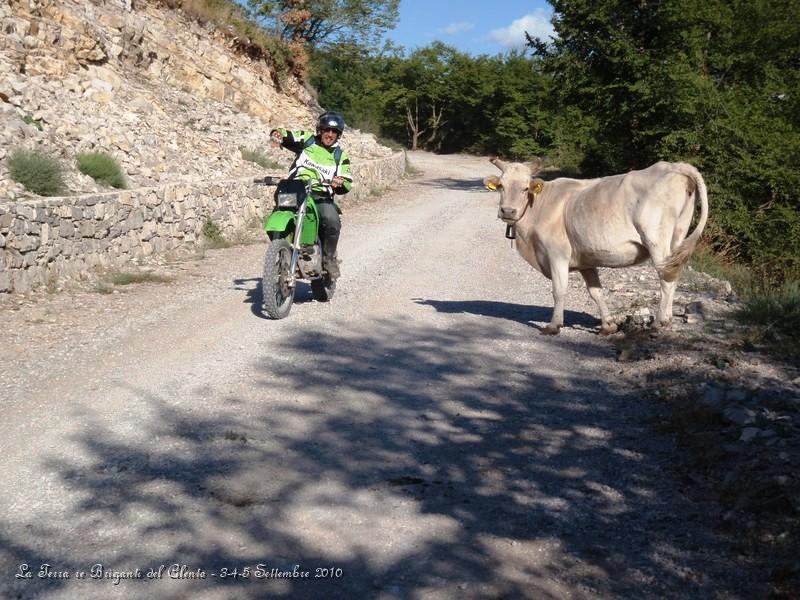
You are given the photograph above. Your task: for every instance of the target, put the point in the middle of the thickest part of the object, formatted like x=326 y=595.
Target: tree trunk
x=414 y=128
x=436 y=124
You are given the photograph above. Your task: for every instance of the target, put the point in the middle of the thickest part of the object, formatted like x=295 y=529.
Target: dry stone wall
x=56 y=237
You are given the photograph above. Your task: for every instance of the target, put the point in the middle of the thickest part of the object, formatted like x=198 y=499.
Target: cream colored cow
x=582 y=224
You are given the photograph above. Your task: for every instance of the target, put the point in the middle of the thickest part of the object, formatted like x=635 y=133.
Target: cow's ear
x=536 y=186
x=535 y=165
x=492 y=182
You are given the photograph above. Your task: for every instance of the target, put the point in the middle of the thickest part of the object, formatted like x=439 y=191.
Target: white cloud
x=536 y=24
x=455 y=28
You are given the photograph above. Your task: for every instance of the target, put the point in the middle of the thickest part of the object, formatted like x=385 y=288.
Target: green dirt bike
x=295 y=249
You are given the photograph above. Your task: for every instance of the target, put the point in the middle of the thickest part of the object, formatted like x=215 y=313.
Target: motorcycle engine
x=310 y=261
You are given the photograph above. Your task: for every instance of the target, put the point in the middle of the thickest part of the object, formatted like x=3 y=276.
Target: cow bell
x=511 y=232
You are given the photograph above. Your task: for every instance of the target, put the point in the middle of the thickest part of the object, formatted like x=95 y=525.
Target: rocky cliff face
x=169 y=98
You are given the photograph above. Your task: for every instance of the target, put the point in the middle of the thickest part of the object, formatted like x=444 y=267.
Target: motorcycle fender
x=280 y=220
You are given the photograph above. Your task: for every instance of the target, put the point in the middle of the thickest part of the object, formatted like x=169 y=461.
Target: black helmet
x=332 y=120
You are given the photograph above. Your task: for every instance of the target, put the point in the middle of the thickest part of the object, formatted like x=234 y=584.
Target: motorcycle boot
x=331 y=265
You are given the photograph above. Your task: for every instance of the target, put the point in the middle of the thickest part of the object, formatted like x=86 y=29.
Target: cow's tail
x=674 y=263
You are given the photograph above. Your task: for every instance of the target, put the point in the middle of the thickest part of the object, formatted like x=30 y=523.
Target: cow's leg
x=664 y=316
x=560 y=276
x=592 y=279
x=658 y=253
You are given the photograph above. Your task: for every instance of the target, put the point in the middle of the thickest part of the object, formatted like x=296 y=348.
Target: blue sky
x=472 y=26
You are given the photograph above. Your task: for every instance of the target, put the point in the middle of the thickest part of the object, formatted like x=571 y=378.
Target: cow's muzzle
x=507 y=213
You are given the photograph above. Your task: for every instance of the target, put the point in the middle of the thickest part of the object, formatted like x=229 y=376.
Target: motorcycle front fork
x=298 y=233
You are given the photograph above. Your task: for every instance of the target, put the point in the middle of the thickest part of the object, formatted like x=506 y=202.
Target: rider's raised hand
x=276 y=138
x=337 y=182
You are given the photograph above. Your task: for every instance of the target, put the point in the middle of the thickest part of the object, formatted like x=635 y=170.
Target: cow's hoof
x=551 y=330
x=608 y=329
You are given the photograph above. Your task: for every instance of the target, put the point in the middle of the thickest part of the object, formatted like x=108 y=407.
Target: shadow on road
x=451 y=183
x=409 y=457
x=520 y=313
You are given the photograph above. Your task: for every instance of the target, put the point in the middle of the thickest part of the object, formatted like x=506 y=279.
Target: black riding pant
x=330 y=226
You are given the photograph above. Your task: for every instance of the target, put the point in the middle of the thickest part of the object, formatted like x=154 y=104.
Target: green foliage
x=714 y=264
x=131 y=277
x=103 y=168
x=39 y=173
x=437 y=98
x=29 y=120
x=213 y=235
x=780 y=305
x=776 y=313
x=347 y=79
x=257 y=156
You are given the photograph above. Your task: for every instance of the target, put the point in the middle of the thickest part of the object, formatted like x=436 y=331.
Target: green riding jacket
x=315 y=162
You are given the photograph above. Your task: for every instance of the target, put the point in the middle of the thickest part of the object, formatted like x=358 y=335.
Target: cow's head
x=517 y=187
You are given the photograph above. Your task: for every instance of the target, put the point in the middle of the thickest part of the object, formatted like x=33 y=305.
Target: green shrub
x=775 y=313
x=29 y=120
x=103 y=168
x=257 y=156
x=717 y=265
x=131 y=277
x=213 y=235
x=779 y=306
x=38 y=172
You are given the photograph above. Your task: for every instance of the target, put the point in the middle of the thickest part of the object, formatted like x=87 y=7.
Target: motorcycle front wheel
x=278 y=296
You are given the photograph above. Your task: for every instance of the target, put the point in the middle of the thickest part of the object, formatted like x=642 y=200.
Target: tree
x=317 y=22
x=350 y=80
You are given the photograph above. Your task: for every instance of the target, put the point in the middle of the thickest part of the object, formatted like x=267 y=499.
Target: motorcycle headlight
x=287 y=200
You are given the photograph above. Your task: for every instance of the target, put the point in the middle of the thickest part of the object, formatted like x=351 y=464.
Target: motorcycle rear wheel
x=323 y=288
x=276 y=293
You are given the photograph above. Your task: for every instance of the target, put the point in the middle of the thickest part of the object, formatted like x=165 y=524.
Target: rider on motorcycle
x=320 y=159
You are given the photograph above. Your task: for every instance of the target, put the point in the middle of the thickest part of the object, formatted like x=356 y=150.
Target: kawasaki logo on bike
x=326 y=171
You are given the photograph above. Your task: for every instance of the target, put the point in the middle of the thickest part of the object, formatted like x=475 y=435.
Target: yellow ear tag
x=538 y=187
x=491 y=186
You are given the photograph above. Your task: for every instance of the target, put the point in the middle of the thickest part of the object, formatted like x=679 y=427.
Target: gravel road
x=414 y=438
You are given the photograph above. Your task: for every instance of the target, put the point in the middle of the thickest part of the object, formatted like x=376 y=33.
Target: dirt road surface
x=414 y=438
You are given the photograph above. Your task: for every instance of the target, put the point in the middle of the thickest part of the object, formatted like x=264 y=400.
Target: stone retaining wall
x=55 y=237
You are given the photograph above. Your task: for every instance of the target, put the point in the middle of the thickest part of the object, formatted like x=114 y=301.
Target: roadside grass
x=774 y=317
x=772 y=311
x=213 y=237
x=131 y=277
x=39 y=173
x=110 y=281
x=705 y=261
x=103 y=168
